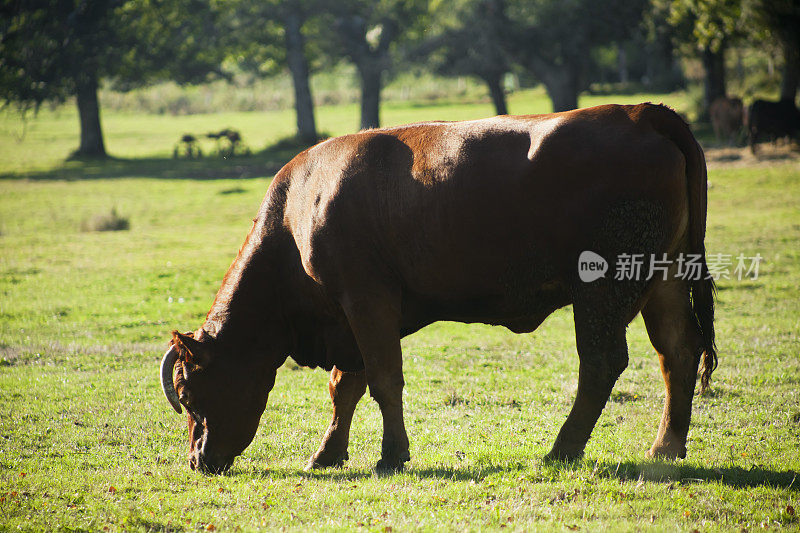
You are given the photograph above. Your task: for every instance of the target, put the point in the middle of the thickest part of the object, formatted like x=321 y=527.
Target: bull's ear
x=190 y=349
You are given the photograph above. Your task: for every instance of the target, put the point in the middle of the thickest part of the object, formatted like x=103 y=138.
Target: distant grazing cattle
x=233 y=137
x=366 y=238
x=768 y=121
x=727 y=115
x=187 y=147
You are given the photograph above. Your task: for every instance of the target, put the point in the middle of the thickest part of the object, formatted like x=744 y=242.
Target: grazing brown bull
x=365 y=238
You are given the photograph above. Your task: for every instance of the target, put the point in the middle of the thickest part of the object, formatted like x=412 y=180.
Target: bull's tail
x=702 y=289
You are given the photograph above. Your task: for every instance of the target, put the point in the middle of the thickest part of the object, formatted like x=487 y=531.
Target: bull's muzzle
x=208 y=465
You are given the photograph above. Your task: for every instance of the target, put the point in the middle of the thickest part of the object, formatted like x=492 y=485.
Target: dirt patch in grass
x=111 y=221
x=766 y=154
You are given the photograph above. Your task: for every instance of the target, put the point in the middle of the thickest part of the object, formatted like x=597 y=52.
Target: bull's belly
x=520 y=308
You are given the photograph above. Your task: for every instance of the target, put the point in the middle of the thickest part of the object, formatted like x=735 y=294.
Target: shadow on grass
x=475 y=473
x=647 y=470
x=262 y=164
x=665 y=471
x=780 y=157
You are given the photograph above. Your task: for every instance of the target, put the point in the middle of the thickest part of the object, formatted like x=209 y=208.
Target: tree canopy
x=266 y=37
x=473 y=41
x=780 y=20
x=370 y=34
x=554 y=39
x=54 y=49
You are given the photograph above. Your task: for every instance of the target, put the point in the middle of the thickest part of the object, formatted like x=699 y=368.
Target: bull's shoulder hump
x=498 y=124
x=448 y=138
x=360 y=142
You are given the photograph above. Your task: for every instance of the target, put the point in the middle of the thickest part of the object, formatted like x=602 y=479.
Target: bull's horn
x=167 y=368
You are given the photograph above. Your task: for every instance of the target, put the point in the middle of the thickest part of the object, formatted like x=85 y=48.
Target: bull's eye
x=198 y=419
x=184 y=396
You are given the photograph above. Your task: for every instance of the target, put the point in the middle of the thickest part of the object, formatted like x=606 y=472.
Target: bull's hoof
x=666 y=451
x=326 y=460
x=391 y=465
x=668 y=446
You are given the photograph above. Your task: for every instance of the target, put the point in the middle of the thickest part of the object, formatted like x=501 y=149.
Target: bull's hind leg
x=346 y=389
x=603 y=308
x=603 y=353
x=676 y=337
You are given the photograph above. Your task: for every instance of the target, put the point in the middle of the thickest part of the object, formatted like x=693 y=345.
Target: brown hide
x=365 y=238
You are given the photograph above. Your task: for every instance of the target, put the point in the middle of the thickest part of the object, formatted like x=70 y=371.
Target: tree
x=663 y=68
x=554 y=39
x=708 y=27
x=271 y=35
x=473 y=42
x=298 y=66
x=367 y=32
x=781 y=19
x=47 y=55
x=54 y=49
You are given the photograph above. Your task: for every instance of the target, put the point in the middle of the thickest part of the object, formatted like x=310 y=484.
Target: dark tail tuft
x=703 y=292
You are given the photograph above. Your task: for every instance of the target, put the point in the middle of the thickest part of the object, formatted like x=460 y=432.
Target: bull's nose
x=206 y=465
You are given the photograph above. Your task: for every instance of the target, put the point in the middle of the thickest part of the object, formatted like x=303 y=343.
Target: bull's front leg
x=374 y=317
x=346 y=389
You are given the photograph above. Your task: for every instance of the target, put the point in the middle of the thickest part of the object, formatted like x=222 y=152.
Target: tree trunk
x=672 y=72
x=298 y=66
x=622 y=64
x=562 y=88
x=370 y=94
x=89 y=114
x=791 y=72
x=714 y=83
x=370 y=60
x=497 y=93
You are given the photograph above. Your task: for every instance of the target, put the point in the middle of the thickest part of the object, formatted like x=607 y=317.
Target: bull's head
x=223 y=392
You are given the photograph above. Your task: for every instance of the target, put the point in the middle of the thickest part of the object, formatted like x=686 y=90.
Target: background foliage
x=55 y=49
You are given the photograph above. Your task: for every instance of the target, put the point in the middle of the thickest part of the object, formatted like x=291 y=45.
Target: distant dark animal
x=769 y=121
x=232 y=137
x=727 y=117
x=366 y=238
x=187 y=147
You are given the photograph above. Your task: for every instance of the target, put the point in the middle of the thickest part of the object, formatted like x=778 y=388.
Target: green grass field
x=87 y=441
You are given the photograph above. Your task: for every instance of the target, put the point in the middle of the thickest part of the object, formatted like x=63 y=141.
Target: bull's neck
x=246 y=308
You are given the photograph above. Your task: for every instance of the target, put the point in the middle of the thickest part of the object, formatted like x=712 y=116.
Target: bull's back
x=472 y=210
